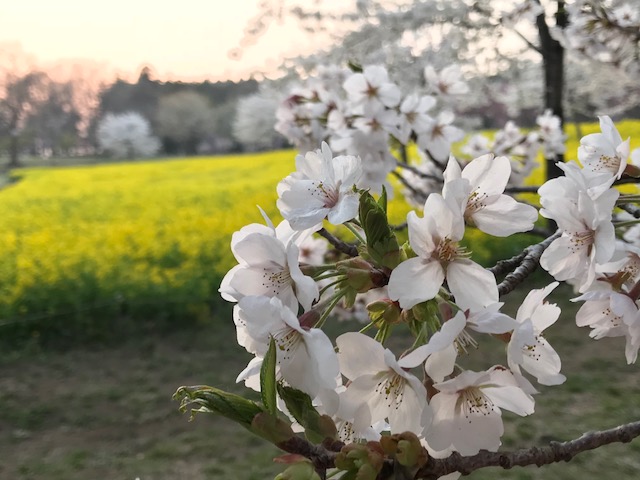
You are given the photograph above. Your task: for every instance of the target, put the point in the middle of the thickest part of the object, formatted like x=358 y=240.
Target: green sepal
x=213 y=400
x=317 y=427
x=271 y=428
x=268 y=379
x=349 y=298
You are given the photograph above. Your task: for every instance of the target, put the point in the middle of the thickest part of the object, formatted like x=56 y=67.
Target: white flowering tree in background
x=254 y=120
x=405 y=401
x=126 y=135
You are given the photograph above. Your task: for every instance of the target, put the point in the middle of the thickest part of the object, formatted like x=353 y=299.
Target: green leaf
x=271 y=428
x=382 y=244
x=317 y=427
x=204 y=399
x=382 y=201
x=268 y=379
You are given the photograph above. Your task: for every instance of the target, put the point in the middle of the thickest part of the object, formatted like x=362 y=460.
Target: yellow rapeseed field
x=141 y=240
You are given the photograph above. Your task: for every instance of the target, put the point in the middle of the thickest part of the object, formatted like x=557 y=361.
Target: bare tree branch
x=531 y=45
x=418 y=172
x=631 y=209
x=323 y=456
x=555 y=452
x=338 y=244
x=528 y=264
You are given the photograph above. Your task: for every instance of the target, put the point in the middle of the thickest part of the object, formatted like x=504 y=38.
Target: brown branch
x=624 y=180
x=527 y=265
x=338 y=244
x=555 y=452
x=323 y=456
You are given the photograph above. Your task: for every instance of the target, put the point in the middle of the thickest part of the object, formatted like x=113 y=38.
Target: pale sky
x=179 y=39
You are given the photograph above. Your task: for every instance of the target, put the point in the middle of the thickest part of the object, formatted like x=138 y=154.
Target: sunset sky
x=181 y=40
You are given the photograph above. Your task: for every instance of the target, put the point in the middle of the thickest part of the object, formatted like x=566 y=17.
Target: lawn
x=107 y=413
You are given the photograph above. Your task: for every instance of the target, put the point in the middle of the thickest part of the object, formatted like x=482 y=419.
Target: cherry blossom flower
x=380 y=386
x=435 y=239
x=453 y=338
x=372 y=86
x=528 y=348
x=604 y=152
x=477 y=192
x=268 y=265
x=322 y=187
x=583 y=213
x=448 y=82
x=306 y=358
x=413 y=116
x=551 y=134
x=466 y=411
x=612 y=307
x=439 y=136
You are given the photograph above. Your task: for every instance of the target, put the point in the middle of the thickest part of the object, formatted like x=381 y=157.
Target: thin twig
x=419 y=172
x=631 y=209
x=524 y=189
x=416 y=192
x=338 y=244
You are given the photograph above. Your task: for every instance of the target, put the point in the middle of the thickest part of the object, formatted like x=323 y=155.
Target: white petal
x=473 y=286
x=415 y=280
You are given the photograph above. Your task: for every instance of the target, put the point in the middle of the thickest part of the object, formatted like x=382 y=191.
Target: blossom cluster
x=356 y=112
x=587 y=254
x=608 y=33
x=430 y=289
x=435 y=290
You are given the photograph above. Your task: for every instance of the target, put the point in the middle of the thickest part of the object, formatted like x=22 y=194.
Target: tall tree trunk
x=553 y=65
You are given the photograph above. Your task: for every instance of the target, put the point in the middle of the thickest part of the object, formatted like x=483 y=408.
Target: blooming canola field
x=140 y=242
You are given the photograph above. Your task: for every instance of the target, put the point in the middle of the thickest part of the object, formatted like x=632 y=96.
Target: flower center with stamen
x=391 y=387
x=473 y=402
x=449 y=250
x=607 y=164
x=331 y=195
x=274 y=282
x=463 y=341
x=477 y=201
x=532 y=351
x=581 y=240
x=287 y=341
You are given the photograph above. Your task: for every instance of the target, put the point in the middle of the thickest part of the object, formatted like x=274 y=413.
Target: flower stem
x=326 y=287
x=337 y=297
x=355 y=232
x=627 y=223
x=628 y=199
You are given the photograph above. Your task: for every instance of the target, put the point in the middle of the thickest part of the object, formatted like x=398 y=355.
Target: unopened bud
x=361 y=275
x=299 y=470
x=405 y=448
x=385 y=311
